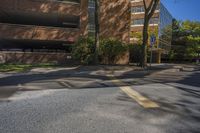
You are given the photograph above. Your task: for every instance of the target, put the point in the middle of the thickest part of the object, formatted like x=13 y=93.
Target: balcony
x=30 y=32
x=40 y=19
x=67 y=7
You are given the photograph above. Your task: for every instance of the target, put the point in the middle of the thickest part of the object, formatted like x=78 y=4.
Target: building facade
x=35 y=27
x=30 y=28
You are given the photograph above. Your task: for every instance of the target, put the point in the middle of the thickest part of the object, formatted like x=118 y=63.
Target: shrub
x=135 y=52
x=110 y=50
x=84 y=51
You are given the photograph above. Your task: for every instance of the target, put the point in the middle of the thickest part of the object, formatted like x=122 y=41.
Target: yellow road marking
x=143 y=101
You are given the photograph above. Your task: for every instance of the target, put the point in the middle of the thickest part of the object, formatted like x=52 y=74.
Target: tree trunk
x=145 y=42
x=149 y=11
x=96 y=30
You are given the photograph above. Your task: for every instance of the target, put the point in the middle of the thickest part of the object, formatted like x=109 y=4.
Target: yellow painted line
x=141 y=100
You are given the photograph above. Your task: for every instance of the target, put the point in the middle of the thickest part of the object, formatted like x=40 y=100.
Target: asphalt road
x=85 y=100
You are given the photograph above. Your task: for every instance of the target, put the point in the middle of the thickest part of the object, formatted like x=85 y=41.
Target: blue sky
x=183 y=9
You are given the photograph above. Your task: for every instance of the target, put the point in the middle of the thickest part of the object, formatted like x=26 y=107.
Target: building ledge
x=142 y=25
x=42 y=27
x=41 y=6
x=156 y=11
x=64 y=2
x=15 y=31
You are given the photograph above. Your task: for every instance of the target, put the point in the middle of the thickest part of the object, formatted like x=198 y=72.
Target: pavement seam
x=64 y=84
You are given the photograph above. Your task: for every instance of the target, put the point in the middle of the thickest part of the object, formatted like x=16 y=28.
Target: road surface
x=74 y=100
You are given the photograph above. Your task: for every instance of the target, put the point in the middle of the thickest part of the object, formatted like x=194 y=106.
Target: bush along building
x=160 y=27
x=37 y=31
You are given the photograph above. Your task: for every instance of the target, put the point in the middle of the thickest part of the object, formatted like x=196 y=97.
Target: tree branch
x=145 y=5
x=150 y=5
x=153 y=8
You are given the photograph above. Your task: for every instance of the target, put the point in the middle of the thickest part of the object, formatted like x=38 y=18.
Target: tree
x=186 y=40
x=97 y=40
x=194 y=46
x=149 y=11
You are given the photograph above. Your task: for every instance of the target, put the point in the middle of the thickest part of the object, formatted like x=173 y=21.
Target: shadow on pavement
x=193 y=79
x=84 y=72
x=9 y=84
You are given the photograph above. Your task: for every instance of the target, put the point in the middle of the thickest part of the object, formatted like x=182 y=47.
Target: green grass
x=23 y=67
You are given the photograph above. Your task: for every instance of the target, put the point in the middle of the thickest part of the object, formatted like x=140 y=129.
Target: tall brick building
x=44 y=30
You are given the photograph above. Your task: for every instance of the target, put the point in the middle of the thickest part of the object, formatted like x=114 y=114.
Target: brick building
x=32 y=27
x=44 y=30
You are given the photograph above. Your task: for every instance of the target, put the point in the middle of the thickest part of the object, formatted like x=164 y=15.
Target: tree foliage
x=135 y=53
x=84 y=51
x=186 y=40
x=109 y=51
x=139 y=38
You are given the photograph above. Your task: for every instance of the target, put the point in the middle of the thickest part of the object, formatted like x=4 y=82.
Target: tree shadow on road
x=193 y=79
x=9 y=84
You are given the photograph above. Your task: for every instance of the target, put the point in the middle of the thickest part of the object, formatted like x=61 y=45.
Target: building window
x=141 y=21
x=140 y=9
x=91 y=19
x=75 y=1
x=137 y=9
x=154 y=21
x=91 y=3
x=138 y=22
x=91 y=27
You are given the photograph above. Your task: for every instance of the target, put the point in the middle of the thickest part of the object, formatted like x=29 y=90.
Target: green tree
x=186 y=40
x=110 y=50
x=83 y=51
x=194 y=46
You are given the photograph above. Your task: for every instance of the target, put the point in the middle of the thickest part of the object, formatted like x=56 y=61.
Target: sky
x=183 y=9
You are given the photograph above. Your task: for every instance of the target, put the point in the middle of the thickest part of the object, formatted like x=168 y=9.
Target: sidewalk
x=101 y=69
